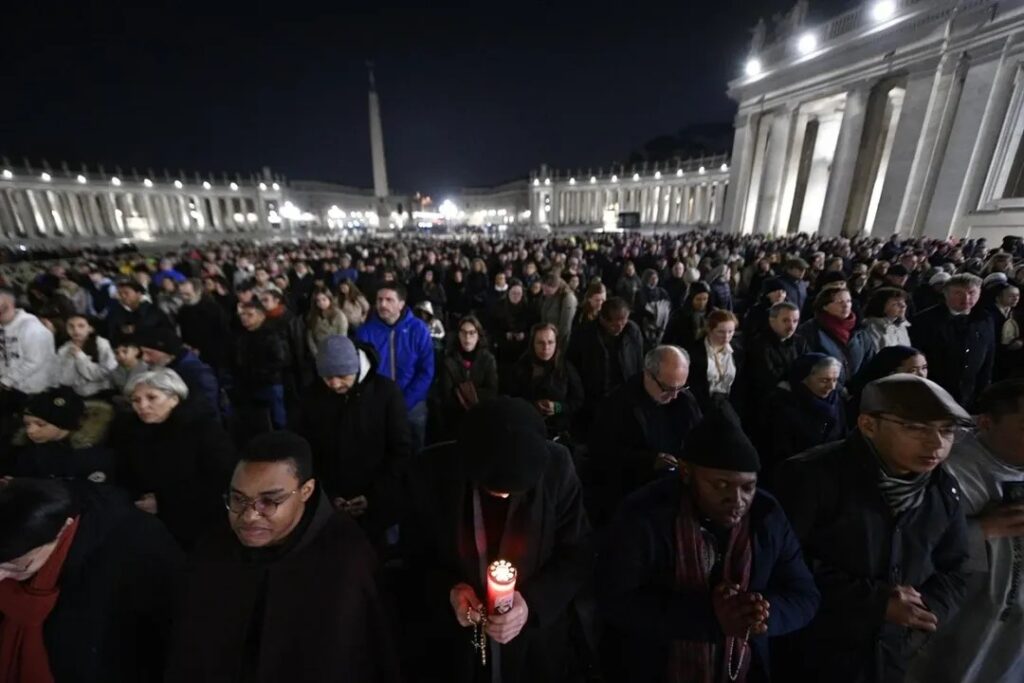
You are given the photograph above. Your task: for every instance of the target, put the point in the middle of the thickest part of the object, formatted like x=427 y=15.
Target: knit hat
x=337 y=357
x=61 y=407
x=939 y=278
x=772 y=284
x=160 y=339
x=504 y=445
x=911 y=398
x=718 y=442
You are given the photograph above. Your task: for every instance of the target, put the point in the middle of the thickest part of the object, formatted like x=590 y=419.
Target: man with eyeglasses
x=286 y=582
x=883 y=530
x=641 y=426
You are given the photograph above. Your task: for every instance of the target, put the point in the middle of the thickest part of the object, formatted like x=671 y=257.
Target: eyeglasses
x=922 y=431
x=265 y=506
x=665 y=388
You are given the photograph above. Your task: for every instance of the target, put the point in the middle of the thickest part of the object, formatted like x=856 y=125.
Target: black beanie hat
x=61 y=407
x=772 y=284
x=160 y=338
x=718 y=442
x=504 y=445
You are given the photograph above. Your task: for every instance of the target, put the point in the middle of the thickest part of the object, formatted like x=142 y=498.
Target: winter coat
x=767 y=363
x=324 y=328
x=307 y=611
x=121 y=321
x=796 y=290
x=201 y=380
x=298 y=372
x=564 y=387
x=117 y=590
x=636 y=582
x=515 y=319
x=884 y=332
x=685 y=327
x=546 y=537
x=205 y=328
x=858 y=552
x=27 y=358
x=82 y=456
x=721 y=295
x=628 y=433
x=852 y=357
x=794 y=426
x=186 y=461
x=361 y=441
x=589 y=352
x=406 y=353
x=559 y=311
x=960 y=350
x=86 y=376
x=483 y=373
x=260 y=360
x=627 y=287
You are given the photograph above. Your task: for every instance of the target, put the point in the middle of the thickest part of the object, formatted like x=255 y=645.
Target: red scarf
x=837 y=328
x=25 y=605
x=691 y=661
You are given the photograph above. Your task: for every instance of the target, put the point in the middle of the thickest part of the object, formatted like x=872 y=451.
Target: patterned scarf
x=901 y=493
x=693 y=661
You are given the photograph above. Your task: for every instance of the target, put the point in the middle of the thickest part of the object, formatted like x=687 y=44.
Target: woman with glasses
x=805 y=411
x=172 y=457
x=468 y=375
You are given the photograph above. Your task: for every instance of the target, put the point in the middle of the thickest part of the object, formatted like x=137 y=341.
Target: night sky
x=471 y=96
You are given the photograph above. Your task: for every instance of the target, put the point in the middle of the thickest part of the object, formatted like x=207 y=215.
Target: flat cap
x=911 y=398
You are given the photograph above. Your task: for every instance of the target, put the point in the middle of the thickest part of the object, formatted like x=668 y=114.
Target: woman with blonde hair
x=353 y=304
x=324 y=319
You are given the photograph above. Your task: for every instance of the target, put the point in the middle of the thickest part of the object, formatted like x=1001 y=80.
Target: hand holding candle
x=501 y=586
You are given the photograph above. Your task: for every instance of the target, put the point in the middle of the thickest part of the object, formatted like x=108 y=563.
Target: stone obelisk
x=380 y=171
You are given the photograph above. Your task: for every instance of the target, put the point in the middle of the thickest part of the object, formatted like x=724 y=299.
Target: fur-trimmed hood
x=92 y=432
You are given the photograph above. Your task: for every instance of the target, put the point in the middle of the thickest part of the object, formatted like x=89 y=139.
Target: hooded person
x=356 y=423
x=882 y=526
x=500 y=491
x=283 y=587
x=62 y=438
x=87 y=584
x=700 y=569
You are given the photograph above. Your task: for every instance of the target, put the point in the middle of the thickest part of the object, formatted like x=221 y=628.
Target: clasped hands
x=740 y=613
x=501 y=628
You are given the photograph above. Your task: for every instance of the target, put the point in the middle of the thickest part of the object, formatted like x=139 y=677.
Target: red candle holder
x=501 y=586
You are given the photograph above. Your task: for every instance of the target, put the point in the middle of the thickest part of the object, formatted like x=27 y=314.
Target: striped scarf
x=902 y=494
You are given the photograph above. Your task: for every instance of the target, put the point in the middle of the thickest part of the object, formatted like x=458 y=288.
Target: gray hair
x=776 y=310
x=161 y=379
x=968 y=280
x=825 y=364
x=654 y=357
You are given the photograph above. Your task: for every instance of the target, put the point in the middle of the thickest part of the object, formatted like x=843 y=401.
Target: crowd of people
x=707 y=456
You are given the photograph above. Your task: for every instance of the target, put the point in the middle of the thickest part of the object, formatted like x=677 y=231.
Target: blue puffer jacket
x=411 y=364
x=201 y=381
x=856 y=354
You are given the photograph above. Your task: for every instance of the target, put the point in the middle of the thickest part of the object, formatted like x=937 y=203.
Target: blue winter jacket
x=406 y=354
x=200 y=379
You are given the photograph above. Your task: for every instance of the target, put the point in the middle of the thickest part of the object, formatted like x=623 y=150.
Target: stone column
x=844 y=163
x=767 y=201
x=740 y=168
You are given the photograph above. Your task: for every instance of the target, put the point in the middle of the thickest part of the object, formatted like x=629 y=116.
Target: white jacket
x=885 y=332
x=86 y=376
x=27 y=360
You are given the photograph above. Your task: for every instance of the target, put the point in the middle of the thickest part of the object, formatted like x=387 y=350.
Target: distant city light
x=615 y=178
x=883 y=10
x=276 y=187
x=81 y=179
x=657 y=175
x=536 y=182
x=206 y=185
x=45 y=177
x=679 y=173
x=290 y=211
x=234 y=187
x=263 y=187
x=753 y=67
x=593 y=180
x=239 y=218
x=636 y=177
x=448 y=209
x=115 y=181
x=807 y=43
x=8 y=175
x=701 y=169
x=572 y=181
x=177 y=184
x=251 y=217
x=147 y=182
x=334 y=213
x=725 y=167
x=547 y=181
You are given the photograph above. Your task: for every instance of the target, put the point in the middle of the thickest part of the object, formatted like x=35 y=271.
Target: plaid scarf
x=694 y=661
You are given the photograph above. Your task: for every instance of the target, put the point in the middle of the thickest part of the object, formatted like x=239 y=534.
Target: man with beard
x=700 y=569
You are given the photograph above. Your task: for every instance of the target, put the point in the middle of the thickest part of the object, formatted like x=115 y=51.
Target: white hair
x=161 y=379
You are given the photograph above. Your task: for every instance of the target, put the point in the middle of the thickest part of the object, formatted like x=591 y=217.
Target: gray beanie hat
x=337 y=357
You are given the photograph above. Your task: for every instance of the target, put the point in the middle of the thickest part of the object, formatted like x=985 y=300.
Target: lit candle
x=501 y=586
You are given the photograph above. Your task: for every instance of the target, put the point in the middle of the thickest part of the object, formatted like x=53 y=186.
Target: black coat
x=637 y=593
x=186 y=461
x=483 y=373
x=547 y=538
x=589 y=353
x=796 y=290
x=685 y=327
x=361 y=442
x=121 y=321
x=309 y=608
x=858 y=552
x=206 y=328
x=260 y=361
x=767 y=363
x=564 y=387
x=117 y=590
x=625 y=441
x=516 y=319
x=794 y=426
x=960 y=350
